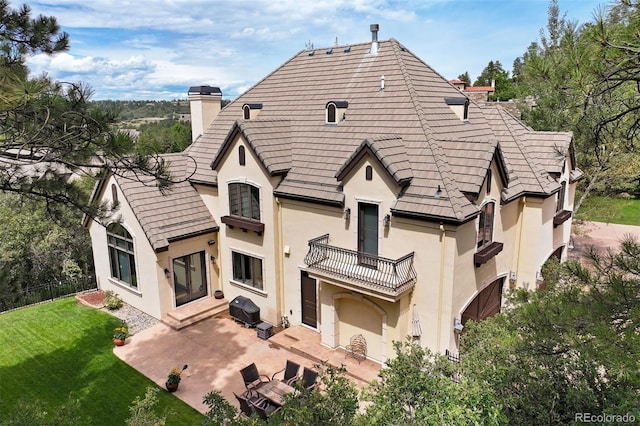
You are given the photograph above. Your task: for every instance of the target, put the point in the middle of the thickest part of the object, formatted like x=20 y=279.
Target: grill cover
x=244 y=310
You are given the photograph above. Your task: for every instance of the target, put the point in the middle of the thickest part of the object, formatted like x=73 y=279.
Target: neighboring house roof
x=479 y=89
x=444 y=156
x=172 y=215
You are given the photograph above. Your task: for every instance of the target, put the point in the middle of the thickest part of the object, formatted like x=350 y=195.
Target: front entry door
x=309 y=301
x=189 y=278
x=368 y=234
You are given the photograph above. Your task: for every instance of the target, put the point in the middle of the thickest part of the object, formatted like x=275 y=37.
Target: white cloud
x=128 y=48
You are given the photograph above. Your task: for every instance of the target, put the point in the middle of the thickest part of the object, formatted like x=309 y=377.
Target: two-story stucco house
x=353 y=190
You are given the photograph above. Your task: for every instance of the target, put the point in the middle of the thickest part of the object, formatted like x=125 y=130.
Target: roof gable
x=269 y=139
x=171 y=215
x=389 y=152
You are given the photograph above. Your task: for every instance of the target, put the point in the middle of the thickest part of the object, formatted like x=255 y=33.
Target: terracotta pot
x=218 y=294
x=118 y=342
x=171 y=387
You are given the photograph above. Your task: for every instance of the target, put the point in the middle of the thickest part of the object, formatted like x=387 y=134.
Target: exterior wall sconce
x=457 y=326
x=167 y=273
x=211 y=242
x=347 y=213
x=213 y=259
x=386 y=220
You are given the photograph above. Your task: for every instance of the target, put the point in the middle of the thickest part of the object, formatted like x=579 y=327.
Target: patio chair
x=246 y=407
x=309 y=378
x=264 y=409
x=357 y=347
x=252 y=379
x=290 y=372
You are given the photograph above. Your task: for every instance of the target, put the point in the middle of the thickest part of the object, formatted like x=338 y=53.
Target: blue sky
x=156 y=49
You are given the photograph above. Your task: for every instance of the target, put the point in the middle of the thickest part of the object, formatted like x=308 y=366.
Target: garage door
x=486 y=304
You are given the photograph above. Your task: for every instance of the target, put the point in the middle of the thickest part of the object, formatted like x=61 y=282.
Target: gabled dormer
x=389 y=152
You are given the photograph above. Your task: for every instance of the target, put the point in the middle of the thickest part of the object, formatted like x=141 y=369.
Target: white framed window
x=244 y=200
x=485 y=224
x=561 y=195
x=121 y=255
x=247 y=270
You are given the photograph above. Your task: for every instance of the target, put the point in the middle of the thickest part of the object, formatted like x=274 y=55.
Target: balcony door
x=189 y=278
x=368 y=234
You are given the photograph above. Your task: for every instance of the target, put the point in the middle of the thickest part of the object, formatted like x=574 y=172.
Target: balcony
x=384 y=278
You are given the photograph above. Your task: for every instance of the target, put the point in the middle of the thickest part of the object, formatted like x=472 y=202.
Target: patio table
x=275 y=390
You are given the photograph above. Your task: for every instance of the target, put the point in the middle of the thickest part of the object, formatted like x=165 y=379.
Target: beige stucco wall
x=262 y=246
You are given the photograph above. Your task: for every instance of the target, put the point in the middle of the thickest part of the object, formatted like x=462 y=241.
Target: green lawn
x=52 y=350
x=610 y=210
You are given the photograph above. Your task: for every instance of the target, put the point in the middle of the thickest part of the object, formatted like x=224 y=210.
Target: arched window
x=121 y=254
x=241 y=156
x=561 y=195
x=244 y=200
x=485 y=224
x=368 y=174
x=331 y=113
x=246 y=112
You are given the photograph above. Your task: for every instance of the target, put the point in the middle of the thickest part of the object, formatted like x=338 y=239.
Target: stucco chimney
x=374 y=38
x=205 y=103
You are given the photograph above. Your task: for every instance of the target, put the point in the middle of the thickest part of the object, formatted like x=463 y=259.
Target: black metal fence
x=44 y=292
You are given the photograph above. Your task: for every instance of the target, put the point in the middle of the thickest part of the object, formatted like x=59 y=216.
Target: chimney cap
x=374 y=27
x=204 y=90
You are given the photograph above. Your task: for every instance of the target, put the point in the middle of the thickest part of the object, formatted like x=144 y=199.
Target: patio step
x=192 y=313
x=294 y=343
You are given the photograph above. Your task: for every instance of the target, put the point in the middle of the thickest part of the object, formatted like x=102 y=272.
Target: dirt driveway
x=600 y=235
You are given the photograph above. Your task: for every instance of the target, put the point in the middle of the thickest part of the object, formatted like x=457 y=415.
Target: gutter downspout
x=279 y=262
x=523 y=204
x=441 y=284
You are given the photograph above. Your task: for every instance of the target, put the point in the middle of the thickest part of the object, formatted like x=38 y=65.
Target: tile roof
x=176 y=214
x=407 y=125
x=526 y=172
x=270 y=140
x=390 y=153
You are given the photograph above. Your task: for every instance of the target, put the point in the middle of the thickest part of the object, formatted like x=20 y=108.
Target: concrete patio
x=217 y=348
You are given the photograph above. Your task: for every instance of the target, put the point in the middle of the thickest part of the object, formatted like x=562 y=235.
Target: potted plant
x=120 y=334
x=174 y=378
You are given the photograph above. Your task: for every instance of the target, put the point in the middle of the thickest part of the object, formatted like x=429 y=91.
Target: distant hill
x=134 y=110
x=134 y=113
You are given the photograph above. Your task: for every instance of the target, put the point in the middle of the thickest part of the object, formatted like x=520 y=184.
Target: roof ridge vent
x=374 y=38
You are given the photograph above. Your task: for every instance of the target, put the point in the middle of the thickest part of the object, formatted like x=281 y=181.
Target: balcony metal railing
x=375 y=272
